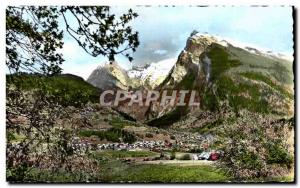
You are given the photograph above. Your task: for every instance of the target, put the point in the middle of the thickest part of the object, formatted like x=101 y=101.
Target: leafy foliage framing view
x=35 y=102
x=33 y=35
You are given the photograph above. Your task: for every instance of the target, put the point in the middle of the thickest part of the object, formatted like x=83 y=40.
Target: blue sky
x=164 y=31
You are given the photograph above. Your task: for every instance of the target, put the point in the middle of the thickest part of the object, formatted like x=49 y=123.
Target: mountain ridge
x=221 y=73
x=227 y=75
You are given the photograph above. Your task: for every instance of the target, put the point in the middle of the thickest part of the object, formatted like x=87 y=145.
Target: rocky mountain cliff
x=227 y=75
x=109 y=76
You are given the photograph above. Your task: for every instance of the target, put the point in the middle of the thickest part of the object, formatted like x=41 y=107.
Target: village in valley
x=163 y=148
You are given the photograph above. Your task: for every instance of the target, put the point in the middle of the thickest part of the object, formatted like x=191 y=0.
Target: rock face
x=227 y=75
x=109 y=76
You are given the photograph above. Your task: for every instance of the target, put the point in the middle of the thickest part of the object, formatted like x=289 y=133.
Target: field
x=165 y=173
x=161 y=171
x=115 y=171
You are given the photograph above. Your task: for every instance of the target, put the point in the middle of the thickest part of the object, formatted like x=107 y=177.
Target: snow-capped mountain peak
x=154 y=73
x=253 y=49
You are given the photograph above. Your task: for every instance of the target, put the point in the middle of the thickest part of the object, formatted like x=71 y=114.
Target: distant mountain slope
x=109 y=76
x=68 y=89
x=112 y=76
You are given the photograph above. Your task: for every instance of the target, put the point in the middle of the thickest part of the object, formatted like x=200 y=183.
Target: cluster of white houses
x=83 y=145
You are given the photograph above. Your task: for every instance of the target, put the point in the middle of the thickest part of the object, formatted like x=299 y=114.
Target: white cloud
x=83 y=71
x=71 y=50
x=80 y=63
x=160 y=52
x=165 y=36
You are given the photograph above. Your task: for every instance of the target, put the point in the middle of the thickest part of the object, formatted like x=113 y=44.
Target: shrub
x=172 y=157
x=185 y=156
x=255 y=147
x=128 y=137
x=278 y=155
x=45 y=145
x=172 y=137
x=196 y=150
x=149 y=135
x=113 y=134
